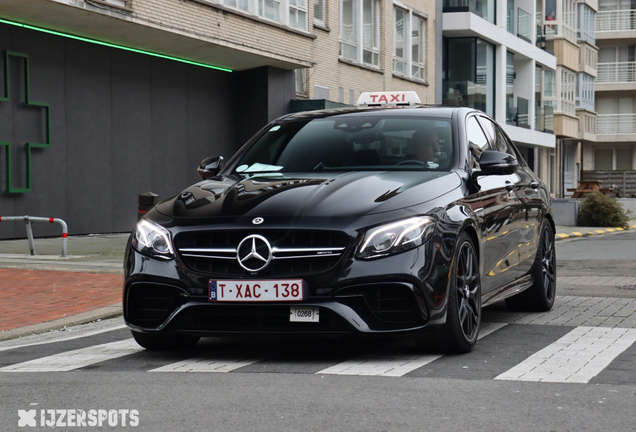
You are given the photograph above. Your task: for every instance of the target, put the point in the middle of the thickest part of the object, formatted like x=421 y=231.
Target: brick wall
x=219 y=26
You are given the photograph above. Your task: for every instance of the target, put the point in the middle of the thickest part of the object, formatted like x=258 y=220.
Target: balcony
x=544 y=118
x=519 y=115
x=482 y=8
x=615 y=124
x=623 y=72
x=587 y=125
x=466 y=93
x=524 y=25
x=616 y=20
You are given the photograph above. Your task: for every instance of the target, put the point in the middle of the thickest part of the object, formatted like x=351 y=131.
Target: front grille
x=150 y=304
x=294 y=252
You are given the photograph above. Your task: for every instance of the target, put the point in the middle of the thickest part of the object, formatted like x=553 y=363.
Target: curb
x=587 y=233
x=112 y=311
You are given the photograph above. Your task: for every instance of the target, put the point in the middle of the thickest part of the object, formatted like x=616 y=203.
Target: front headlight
x=396 y=237
x=152 y=239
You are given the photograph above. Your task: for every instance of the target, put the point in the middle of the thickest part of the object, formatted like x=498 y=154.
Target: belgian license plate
x=256 y=290
x=304 y=314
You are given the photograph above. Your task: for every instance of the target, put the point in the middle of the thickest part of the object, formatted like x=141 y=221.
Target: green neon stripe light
x=97 y=42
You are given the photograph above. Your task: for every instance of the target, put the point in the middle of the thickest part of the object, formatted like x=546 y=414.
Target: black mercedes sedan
x=377 y=220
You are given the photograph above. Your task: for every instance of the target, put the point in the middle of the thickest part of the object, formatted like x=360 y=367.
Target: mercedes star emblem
x=254 y=253
x=258 y=221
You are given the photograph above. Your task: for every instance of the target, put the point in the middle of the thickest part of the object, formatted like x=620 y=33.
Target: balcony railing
x=623 y=72
x=482 y=8
x=524 y=25
x=615 y=124
x=616 y=20
x=519 y=115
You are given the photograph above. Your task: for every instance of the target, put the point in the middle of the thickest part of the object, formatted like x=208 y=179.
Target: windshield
x=352 y=143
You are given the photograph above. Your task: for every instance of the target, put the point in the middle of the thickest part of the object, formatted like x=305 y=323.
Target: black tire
x=165 y=341
x=463 y=315
x=540 y=296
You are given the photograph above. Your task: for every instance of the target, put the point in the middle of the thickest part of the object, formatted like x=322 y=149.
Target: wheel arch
x=550 y=219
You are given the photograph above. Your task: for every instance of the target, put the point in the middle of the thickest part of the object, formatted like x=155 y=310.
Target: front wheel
x=463 y=314
x=540 y=296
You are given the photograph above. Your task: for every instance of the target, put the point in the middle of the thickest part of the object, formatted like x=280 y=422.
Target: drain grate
x=628 y=287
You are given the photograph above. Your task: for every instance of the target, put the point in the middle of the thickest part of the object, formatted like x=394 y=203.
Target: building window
x=292 y=13
x=409 y=44
x=585 y=92
x=301 y=82
x=568 y=11
x=469 y=74
x=586 y=24
x=269 y=9
x=320 y=14
x=567 y=91
x=549 y=99
x=298 y=14
x=360 y=31
x=243 y=5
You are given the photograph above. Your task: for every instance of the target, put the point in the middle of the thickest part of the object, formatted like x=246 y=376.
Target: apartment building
x=612 y=157
x=367 y=45
x=107 y=99
x=498 y=57
x=571 y=36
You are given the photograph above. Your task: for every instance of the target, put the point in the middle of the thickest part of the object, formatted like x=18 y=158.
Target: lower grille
x=394 y=303
x=150 y=304
x=254 y=319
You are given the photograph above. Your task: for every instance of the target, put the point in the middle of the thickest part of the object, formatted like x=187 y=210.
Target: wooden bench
x=587 y=187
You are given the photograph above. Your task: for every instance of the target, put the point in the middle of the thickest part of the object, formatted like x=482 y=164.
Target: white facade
x=514 y=67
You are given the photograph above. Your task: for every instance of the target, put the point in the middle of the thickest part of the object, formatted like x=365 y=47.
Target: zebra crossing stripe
x=577 y=357
x=208 y=363
x=392 y=365
x=66 y=337
x=76 y=359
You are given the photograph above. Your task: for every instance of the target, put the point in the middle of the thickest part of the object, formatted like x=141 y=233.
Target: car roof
x=429 y=111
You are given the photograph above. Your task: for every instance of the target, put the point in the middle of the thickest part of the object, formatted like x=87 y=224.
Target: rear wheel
x=463 y=315
x=540 y=296
x=165 y=341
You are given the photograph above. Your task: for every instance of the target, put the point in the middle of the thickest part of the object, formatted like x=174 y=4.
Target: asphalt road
x=607 y=256
x=266 y=384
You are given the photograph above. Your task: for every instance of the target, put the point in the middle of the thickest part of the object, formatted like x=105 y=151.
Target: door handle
x=510 y=186
x=534 y=185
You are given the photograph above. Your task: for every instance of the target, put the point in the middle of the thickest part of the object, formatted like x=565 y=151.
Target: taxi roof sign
x=398 y=98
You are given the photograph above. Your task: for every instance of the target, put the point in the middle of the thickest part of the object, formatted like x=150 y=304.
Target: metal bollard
x=29 y=230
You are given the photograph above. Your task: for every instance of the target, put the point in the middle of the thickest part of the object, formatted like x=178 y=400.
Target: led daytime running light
x=417 y=223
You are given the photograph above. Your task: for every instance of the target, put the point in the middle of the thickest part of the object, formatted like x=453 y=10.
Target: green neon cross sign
x=26 y=100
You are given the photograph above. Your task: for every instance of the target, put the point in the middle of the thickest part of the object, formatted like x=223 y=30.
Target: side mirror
x=210 y=167
x=497 y=163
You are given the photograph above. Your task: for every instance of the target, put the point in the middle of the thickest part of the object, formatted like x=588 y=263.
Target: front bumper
x=401 y=293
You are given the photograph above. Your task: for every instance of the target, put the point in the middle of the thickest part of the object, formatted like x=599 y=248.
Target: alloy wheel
x=548 y=265
x=468 y=292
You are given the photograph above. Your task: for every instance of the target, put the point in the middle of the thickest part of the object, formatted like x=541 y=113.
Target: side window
x=499 y=141
x=515 y=151
x=477 y=141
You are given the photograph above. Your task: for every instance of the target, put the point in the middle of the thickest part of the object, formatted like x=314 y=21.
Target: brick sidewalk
x=35 y=296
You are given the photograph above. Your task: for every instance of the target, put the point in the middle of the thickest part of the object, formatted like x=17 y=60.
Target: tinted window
x=352 y=143
x=499 y=141
x=477 y=141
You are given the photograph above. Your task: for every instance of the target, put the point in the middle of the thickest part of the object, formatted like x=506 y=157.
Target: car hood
x=326 y=195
